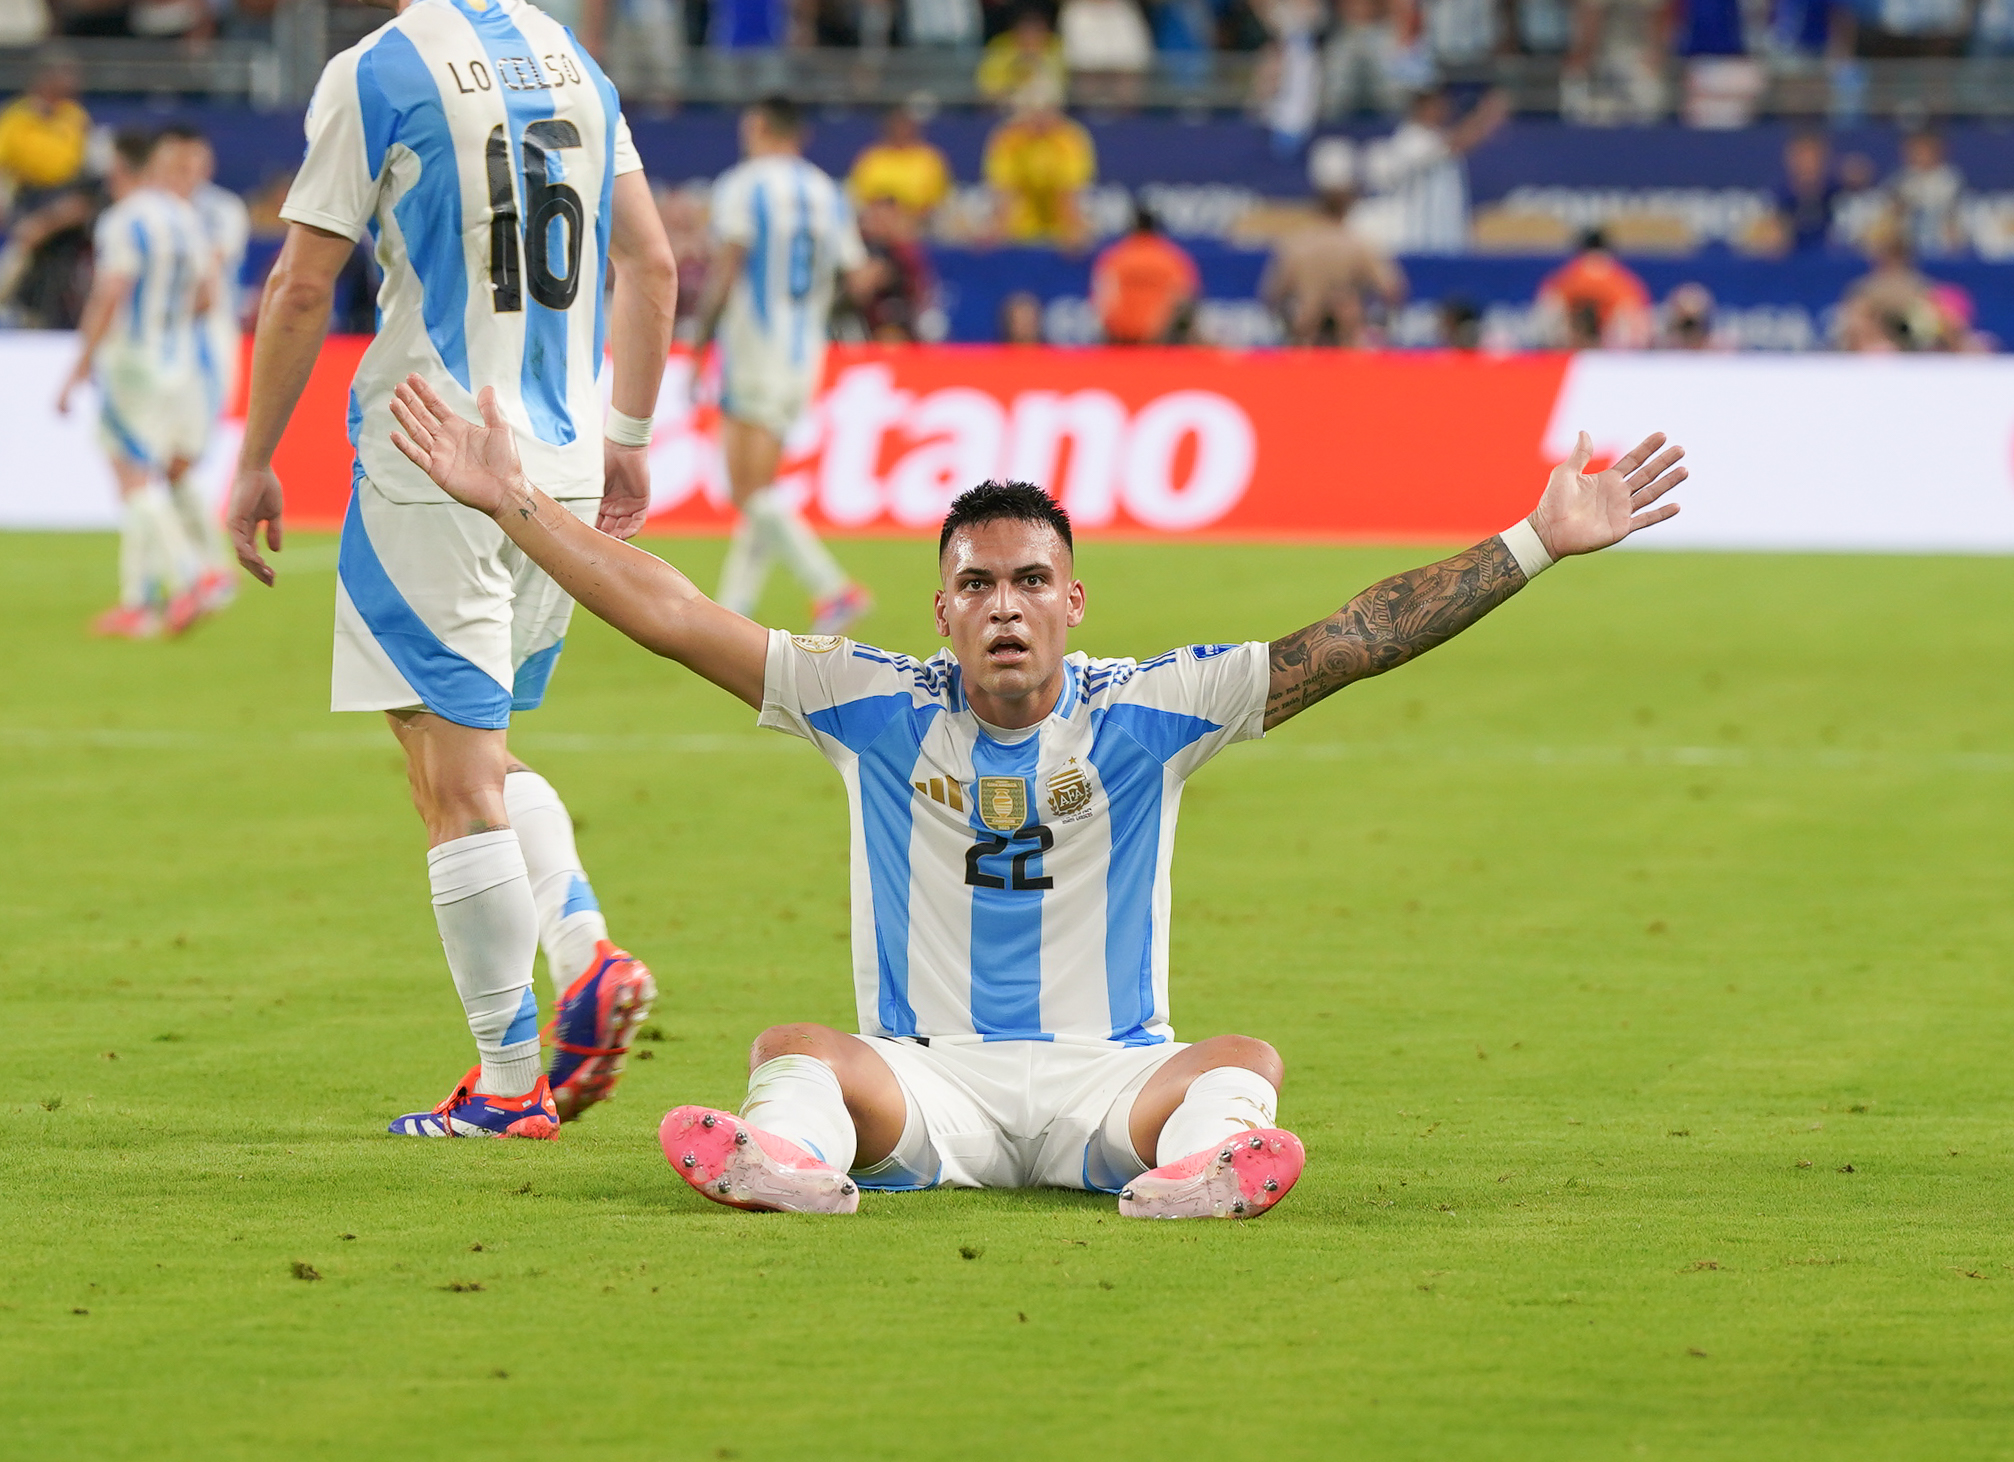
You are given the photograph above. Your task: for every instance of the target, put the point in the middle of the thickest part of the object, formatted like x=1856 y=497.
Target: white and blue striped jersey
x=1013 y=886
x=228 y=227
x=479 y=146
x=154 y=239
x=799 y=232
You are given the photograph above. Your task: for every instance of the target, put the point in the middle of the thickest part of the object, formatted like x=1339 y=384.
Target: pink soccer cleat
x=1240 y=1179
x=836 y=615
x=124 y=622
x=730 y=1162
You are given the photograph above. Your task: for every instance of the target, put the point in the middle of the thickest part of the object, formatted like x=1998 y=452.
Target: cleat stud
x=690 y=1161
x=1272 y=1185
x=708 y=1120
x=846 y=1190
x=1224 y=1156
x=1256 y=1143
x=1126 y=1194
x=1238 y=1207
x=721 y=1186
x=741 y=1139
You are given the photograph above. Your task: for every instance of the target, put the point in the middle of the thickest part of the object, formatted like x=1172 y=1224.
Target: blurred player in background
x=783 y=233
x=487 y=157
x=1014 y=810
x=191 y=166
x=141 y=334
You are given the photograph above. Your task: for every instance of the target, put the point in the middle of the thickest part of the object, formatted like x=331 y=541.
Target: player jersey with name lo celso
x=1013 y=887
x=479 y=146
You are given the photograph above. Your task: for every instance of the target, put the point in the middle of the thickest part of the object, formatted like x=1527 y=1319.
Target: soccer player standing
x=486 y=156
x=141 y=338
x=783 y=232
x=1014 y=814
x=191 y=166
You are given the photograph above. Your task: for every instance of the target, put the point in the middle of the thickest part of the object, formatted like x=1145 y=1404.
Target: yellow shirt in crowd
x=915 y=176
x=42 y=149
x=1037 y=168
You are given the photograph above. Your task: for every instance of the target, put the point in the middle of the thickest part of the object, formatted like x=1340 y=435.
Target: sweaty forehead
x=1002 y=545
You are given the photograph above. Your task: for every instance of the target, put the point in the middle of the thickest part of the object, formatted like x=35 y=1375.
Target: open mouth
x=1007 y=650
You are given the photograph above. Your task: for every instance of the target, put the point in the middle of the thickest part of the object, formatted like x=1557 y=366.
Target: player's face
x=1008 y=605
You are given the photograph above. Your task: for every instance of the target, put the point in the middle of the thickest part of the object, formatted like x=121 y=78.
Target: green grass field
x=1640 y=963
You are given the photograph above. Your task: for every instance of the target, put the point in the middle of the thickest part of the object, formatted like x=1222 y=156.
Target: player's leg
x=1207 y=1119
x=751 y=456
x=752 y=447
x=481 y=891
x=157 y=567
x=423 y=635
x=601 y=994
x=820 y=1103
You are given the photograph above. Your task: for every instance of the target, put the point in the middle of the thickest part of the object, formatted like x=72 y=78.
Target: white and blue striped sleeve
x=1191 y=703
x=832 y=691
x=335 y=189
x=627 y=159
x=114 y=249
x=733 y=214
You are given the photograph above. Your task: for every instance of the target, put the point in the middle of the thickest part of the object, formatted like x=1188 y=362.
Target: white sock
x=798 y=1097
x=489 y=927
x=199 y=525
x=1221 y=1103
x=570 y=922
x=136 y=553
x=745 y=571
x=787 y=536
x=161 y=563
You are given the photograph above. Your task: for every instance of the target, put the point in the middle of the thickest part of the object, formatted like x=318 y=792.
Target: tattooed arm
x=1408 y=614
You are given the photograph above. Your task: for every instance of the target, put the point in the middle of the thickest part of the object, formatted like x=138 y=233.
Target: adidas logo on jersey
x=945 y=790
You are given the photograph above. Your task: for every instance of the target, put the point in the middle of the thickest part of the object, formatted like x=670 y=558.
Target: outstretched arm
x=1408 y=614
x=641 y=595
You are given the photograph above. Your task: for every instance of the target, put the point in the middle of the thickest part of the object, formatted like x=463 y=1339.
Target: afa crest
x=1003 y=803
x=816 y=644
x=1069 y=790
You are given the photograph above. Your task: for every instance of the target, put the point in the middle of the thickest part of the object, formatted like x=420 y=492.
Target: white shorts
x=151 y=416
x=760 y=383
x=436 y=608
x=1014 y=1114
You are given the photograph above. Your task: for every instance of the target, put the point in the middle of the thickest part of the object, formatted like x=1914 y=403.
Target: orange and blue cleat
x=468 y=1113
x=1240 y=1179
x=836 y=615
x=593 y=1026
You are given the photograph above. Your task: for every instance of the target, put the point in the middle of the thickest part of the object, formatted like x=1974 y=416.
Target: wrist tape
x=626 y=430
x=1527 y=548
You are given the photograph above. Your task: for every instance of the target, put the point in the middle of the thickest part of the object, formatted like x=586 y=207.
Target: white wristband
x=626 y=430
x=1527 y=548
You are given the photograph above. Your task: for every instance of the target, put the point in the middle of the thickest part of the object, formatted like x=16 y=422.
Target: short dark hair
x=134 y=146
x=181 y=132
x=989 y=502
x=782 y=116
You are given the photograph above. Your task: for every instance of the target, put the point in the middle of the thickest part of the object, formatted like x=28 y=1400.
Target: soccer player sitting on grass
x=1013 y=818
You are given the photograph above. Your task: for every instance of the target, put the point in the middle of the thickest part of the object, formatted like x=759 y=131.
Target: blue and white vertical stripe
x=1010 y=886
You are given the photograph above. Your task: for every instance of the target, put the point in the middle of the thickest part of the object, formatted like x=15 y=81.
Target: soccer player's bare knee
x=802 y=1038
x=1247 y=1051
x=456 y=773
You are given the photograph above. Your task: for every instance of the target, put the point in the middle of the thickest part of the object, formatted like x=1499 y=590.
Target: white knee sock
x=155 y=560
x=570 y=923
x=788 y=537
x=745 y=571
x=799 y=1097
x=1221 y=1103
x=199 y=525
x=489 y=927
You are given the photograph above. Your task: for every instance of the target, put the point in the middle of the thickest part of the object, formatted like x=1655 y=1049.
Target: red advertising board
x=1180 y=442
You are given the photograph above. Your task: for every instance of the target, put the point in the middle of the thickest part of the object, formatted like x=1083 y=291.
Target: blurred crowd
x=28 y=22
x=1333 y=277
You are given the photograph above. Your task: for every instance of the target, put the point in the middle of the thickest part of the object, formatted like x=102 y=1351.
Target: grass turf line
x=1600 y=946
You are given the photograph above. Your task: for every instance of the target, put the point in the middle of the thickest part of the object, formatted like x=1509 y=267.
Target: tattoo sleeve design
x=1388 y=624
